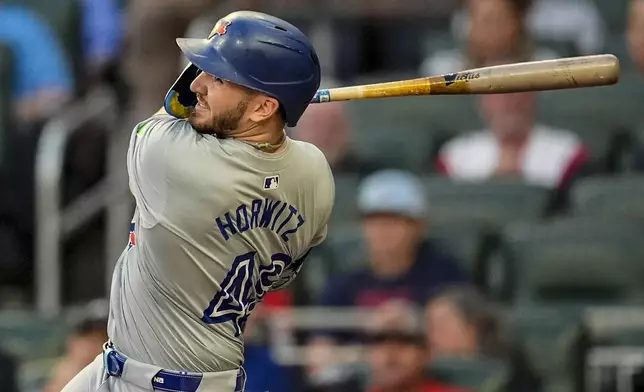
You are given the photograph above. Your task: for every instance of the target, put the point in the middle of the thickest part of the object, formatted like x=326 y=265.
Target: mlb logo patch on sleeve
x=272 y=182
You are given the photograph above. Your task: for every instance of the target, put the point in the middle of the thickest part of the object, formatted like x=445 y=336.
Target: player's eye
x=219 y=80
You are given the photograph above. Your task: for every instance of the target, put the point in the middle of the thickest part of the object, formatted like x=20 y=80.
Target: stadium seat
x=473 y=374
x=6 y=73
x=407 y=132
x=609 y=196
x=468 y=241
x=554 y=340
x=609 y=107
x=342 y=252
x=34 y=375
x=616 y=326
x=313 y=277
x=454 y=114
x=575 y=262
x=614 y=14
x=584 y=113
x=345 y=210
x=438 y=39
x=379 y=141
x=27 y=336
x=345 y=249
x=495 y=203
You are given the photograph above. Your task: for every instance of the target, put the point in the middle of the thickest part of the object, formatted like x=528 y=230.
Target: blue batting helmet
x=260 y=52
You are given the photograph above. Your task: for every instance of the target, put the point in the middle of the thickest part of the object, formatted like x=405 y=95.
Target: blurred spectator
x=397 y=352
x=102 y=34
x=635 y=38
x=43 y=81
x=8 y=373
x=514 y=145
x=577 y=22
x=635 y=33
x=42 y=84
x=401 y=265
x=463 y=322
x=263 y=372
x=497 y=32
x=83 y=345
x=327 y=126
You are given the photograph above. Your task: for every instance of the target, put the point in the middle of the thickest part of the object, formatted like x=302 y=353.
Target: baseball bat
x=564 y=73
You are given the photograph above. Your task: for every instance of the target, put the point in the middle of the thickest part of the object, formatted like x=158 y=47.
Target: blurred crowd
x=472 y=236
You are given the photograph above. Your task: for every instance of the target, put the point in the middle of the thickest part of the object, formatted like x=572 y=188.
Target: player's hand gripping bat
x=565 y=73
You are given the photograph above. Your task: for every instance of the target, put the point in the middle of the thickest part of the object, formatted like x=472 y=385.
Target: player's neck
x=267 y=138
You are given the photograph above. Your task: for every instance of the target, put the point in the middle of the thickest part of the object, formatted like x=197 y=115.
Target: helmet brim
x=204 y=56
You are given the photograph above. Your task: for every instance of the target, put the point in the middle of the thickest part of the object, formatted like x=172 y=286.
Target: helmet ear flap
x=179 y=100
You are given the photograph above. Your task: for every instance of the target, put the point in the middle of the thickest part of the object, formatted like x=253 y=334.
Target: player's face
x=396 y=365
x=509 y=114
x=636 y=32
x=221 y=106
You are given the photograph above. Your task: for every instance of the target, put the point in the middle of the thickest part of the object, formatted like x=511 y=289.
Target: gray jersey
x=217 y=225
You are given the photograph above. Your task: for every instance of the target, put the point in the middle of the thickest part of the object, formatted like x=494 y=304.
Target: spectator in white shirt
x=514 y=145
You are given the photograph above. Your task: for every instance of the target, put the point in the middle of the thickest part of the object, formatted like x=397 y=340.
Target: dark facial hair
x=223 y=124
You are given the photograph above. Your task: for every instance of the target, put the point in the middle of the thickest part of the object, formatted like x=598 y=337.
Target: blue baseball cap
x=393 y=192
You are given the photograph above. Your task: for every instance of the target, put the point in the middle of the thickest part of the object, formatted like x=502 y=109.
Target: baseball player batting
x=227 y=208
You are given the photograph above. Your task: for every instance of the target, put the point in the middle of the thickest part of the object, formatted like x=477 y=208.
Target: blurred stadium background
x=552 y=238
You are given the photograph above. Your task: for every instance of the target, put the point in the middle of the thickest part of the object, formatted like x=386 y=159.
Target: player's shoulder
x=161 y=121
x=309 y=155
x=308 y=149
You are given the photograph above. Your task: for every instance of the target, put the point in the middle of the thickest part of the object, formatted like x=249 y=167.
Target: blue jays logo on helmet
x=220 y=28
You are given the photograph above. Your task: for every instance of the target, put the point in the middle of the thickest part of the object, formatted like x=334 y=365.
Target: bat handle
x=321 y=96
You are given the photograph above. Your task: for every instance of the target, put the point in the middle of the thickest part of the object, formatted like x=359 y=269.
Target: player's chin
x=200 y=123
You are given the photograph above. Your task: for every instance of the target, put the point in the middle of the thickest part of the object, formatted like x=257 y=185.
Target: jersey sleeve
x=160 y=149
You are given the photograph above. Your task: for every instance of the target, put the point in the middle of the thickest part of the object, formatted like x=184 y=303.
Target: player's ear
x=265 y=107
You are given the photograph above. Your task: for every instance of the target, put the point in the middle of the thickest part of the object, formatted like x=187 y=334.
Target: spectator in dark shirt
x=400 y=264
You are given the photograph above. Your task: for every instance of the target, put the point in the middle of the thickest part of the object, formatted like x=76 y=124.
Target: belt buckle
x=110 y=361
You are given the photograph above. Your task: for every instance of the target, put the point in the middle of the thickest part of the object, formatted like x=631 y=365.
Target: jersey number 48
x=240 y=293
